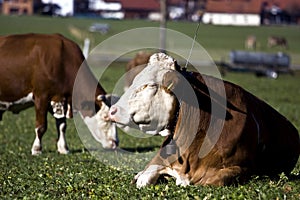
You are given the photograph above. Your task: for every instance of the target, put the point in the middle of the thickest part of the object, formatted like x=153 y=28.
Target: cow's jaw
x=102 y=129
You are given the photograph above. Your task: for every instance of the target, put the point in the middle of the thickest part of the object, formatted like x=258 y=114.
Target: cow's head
x=149 y=104
x=101 y=127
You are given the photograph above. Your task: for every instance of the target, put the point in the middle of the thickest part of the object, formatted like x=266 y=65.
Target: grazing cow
x=135 y=66
x=253 y=138
x=40 y=70
x=277 y=41
x=250 y=42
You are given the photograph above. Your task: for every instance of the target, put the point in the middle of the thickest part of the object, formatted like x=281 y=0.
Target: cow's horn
x=101 y=97
x=170 y=86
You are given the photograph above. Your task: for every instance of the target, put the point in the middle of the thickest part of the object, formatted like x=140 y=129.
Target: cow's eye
x=149 y=85
x=152 y=85
x=143 y=87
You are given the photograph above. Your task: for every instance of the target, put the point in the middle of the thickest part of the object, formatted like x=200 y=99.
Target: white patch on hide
x=58 y=109
x=164 y=132
x=4 y=105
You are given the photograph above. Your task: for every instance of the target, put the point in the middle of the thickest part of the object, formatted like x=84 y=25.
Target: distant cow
x=135 y=66
x=277 y=41
x=253 y=139
x=39 y=70
x=250 y=42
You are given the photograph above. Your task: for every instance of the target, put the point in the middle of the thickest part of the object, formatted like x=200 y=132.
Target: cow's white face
x=147 y=105
x=102 y=129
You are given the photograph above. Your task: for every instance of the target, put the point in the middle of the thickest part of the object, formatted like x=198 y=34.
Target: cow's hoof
x=36 y=152
x=182 y=181
x=142 y=179
x=63 y=151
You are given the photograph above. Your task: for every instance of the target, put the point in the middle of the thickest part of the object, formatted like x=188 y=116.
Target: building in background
x=219 y=12
x=62 y=8
x=106 y=9
x=251 y=12
x=17 y=7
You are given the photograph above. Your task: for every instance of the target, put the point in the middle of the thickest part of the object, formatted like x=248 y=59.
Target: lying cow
x=277 y=41
x=40 y=70
x=253 y=139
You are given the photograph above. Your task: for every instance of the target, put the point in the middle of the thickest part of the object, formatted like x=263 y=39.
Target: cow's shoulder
x=234 y=94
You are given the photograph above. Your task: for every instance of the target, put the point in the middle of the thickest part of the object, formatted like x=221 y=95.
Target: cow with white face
x=188 y=108
x=138 y=109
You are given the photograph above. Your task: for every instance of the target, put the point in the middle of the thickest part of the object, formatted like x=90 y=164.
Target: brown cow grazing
x=277 y=41
x=40 y=70
x=212 y=138
x=135 y=66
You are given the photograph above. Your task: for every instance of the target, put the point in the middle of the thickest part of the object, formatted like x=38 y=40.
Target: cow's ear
x=171 y=80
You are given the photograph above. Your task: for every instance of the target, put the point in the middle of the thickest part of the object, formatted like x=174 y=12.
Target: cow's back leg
x=41 y=107
x=59 y=111
x=61 y=126
x=220 y=177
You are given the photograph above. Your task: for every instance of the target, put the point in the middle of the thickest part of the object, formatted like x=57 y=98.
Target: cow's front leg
x=37 y=144
x=148 y=176
x=40 y=124
x=61 y=126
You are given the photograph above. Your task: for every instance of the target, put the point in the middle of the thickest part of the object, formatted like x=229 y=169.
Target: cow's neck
x=173 y=120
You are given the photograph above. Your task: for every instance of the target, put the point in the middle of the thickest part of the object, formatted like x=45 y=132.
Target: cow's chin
x=145 y=128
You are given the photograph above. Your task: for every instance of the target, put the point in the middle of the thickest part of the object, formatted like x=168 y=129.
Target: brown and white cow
x=274 y=41
x=40 y=70
x=250 y=137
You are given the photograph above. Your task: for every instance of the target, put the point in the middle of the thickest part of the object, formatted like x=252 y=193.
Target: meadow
x=82 y=175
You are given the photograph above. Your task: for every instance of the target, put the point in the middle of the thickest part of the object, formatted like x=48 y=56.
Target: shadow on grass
x=128 y=149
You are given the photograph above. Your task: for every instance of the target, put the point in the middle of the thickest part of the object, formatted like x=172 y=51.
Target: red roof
x=246 y=6
x=146 y=4
x=138 y=4
x=233 y=6
x=285 y=4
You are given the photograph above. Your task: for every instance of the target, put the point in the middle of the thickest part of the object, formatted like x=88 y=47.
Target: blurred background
x=229 y=12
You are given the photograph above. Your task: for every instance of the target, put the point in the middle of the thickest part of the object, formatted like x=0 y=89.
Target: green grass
x=80 y=175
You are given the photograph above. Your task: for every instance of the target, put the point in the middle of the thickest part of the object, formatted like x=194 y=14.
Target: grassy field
x=80 y=175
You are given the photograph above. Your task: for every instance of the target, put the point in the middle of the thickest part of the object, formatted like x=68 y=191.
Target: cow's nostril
x=113 y=110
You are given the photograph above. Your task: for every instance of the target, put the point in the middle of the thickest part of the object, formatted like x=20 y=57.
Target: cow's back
x=276 y=139
x=38 y=63
x=259 y=137
x=31 y=63
x=279 y=143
